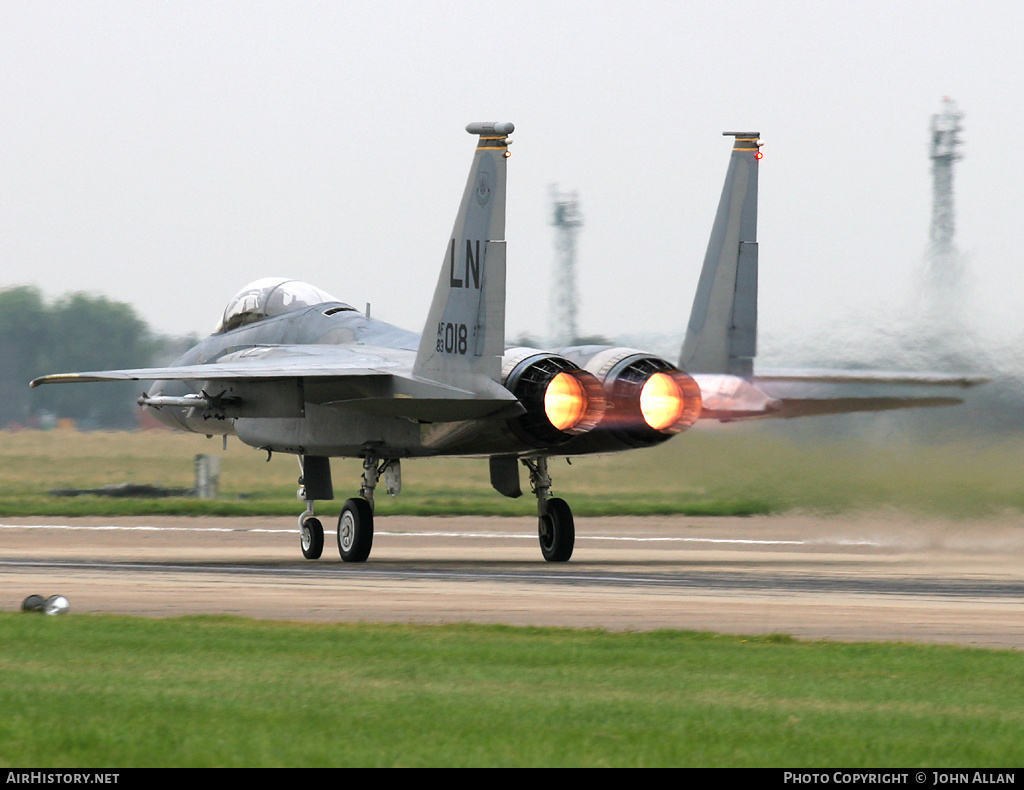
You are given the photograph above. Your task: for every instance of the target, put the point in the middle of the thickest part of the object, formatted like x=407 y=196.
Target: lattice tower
x=944 y=266
x=567 y=221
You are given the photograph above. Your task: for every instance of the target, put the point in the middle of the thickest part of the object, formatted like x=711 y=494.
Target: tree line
x=76 y=332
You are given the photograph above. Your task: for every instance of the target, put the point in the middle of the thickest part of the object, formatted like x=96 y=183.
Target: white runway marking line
x=506 y=535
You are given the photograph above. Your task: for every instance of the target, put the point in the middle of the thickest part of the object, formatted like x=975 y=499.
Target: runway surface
x=881 y=577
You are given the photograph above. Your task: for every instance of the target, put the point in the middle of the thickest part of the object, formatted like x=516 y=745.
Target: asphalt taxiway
x=889 y=576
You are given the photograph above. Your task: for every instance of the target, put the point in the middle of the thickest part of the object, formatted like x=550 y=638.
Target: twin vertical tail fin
x=722 y=334
x=464 y=337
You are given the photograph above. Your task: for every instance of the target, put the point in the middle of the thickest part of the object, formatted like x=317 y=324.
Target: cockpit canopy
x=268 y=297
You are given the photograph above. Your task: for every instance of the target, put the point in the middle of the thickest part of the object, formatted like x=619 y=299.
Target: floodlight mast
x=567 y=220
x=943 y=260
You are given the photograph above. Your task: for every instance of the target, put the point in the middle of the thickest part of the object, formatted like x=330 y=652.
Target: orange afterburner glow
x=565 y=401
x=661 y=402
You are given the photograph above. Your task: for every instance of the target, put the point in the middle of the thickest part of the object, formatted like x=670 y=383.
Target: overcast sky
x=167 y=153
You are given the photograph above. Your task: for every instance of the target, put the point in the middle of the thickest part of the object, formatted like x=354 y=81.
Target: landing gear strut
x=555 y=526
x=315 y=483
x=355 y=524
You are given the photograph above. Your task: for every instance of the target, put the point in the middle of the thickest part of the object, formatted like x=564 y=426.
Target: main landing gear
x=355 y=530
x=355 y=524
x=555 y=526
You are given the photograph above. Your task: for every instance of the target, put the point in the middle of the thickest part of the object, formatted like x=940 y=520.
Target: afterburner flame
x=661 y=402
x=565 y=401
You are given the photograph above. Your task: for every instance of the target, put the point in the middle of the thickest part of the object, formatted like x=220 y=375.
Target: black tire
x=311 y=538
x=355 y=530
x=557 y=532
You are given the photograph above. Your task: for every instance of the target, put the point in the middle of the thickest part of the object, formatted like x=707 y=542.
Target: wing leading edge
x=266 y=362
x=341 y=377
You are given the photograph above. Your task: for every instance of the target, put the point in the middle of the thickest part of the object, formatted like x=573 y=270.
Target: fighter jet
x=292 y=369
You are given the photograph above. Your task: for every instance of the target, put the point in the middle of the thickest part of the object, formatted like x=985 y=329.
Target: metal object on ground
x=56 y=604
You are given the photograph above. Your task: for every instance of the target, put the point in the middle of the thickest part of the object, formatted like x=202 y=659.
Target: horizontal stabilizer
x=809 y=393
x=907 y=378
x=811 y=407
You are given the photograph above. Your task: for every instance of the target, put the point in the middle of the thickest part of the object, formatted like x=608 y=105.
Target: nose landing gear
x=315 y=483
x=311 y=534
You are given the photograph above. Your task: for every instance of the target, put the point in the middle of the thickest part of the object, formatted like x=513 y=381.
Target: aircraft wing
x=258 y=362
x=802 y=393
x=376 y=381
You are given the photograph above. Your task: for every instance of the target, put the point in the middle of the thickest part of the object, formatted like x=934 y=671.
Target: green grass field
x=103 y=691
x=731 y=470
